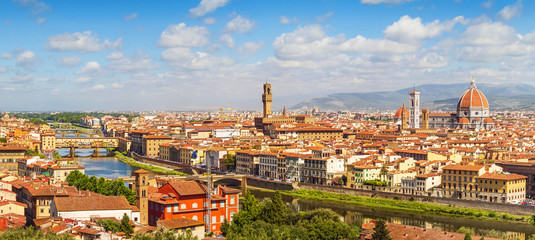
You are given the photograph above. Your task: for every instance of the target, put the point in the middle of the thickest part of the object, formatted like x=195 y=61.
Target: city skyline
x=133 y=55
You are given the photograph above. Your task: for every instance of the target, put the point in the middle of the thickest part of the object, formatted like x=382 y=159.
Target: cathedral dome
x=400 y=110
x=488 y=120
x=472 y=98
x=464 y=120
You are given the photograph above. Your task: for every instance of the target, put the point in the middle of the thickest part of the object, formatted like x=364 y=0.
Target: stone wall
x=268 y=184
x=498 y=207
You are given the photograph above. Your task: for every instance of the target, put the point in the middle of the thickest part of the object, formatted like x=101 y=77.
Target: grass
x=409 y=206
x=132 y=162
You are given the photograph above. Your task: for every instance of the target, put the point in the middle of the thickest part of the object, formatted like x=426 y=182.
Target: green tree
x=383 y=172
x=381 y=233
x=467 y=236
x=125 y=225
x=230 y=162
x=24 y=233
x=275 y=211
x=110 y=225
x=3 y=140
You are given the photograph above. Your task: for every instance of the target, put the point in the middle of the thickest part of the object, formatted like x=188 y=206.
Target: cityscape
x=232 y=119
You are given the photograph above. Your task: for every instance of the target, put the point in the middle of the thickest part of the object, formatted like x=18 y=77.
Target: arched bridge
x=228 y=179
x=87 y=142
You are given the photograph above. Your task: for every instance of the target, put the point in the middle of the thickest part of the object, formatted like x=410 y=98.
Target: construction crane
x=208 y=205
x=221 y=109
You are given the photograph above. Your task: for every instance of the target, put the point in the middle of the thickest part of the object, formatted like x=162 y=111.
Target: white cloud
x=184 y=58
x=384 y=1
x=36 y=6
x=488 y=4
x=27 y=59
x=115 y=55
x=40 y=20
x=7 y=55
x=207 y=6
x=82 y=42
x=22 y=78
x=181 y=36
x=324 y=18
x=311 y=42
x=410 y=30
x=89 y=68
x=83 y=79
x=131 y=17
x=96 y=87
x=3 y=70
x=284 y=20
x=227 y=40
x=489 y=34
x=139 y=61
x=209 y=20
x=239 y=25
x=56 y=80
x=8 y=89
x=250 y=47
x=117 y=85
x=511 y=11
x=70 y=61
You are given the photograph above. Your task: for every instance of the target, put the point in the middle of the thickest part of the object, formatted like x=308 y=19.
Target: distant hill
x=433 y=97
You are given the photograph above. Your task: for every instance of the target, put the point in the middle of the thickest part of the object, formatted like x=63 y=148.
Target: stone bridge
x=87 y=142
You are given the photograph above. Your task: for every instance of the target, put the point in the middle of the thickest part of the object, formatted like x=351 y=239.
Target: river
x=356 y=215
x=107 y=167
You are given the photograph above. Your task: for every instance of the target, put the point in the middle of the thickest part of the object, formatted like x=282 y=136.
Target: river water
x=357 y=215
x=109 y=167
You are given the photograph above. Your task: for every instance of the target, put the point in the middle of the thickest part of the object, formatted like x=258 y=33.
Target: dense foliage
x=230 y=162
x=32 y=153
x=100 y=185
x=158 y=235
x=30 y=233
x=272 y=219
x=113 y=226
x=67 y=117
x=376 y=182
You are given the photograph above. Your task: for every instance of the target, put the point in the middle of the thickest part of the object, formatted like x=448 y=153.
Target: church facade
x=473 y=112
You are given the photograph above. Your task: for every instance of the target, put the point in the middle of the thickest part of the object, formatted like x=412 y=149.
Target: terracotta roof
x=92 y=203
x=157 y=137
x=497 y=176
x=463 y=167
x=180 y=223
x=472 y=98
x=186 y=188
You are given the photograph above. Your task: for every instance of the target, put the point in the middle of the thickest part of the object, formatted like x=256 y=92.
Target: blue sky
x=180 y=55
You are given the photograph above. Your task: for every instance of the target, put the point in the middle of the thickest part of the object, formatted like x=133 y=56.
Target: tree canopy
x=100 y=185
x=272 y=219
x=29 y=233
x=381 y=233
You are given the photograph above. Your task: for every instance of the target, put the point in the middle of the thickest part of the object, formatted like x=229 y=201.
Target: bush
x=492 y=214
x=411 y=199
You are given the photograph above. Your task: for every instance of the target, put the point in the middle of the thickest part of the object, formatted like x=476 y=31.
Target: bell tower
x=266 y=99
x=414 y=109
x=142 y=195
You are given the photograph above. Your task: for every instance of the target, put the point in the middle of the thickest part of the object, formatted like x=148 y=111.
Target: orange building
x=187 y=199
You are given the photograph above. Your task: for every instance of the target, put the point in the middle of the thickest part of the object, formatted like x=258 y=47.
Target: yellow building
x=460 y=181
x=48 y=142
x=12 y=207
x=309 y=133
x=10 y=154
x=503 y=188
x=356 y=175
x=151 y=144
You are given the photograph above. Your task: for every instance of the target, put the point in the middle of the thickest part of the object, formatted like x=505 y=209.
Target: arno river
x=353 y=215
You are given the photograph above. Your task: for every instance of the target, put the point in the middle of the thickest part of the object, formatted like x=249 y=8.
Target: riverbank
x=409 y=206
x=130 y=161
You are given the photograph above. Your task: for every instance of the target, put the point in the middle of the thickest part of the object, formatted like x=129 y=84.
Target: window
x=169 y=208
x=214 y=219
x=222 y=204
x=194 y=217
x=161 y=208
x=214 y=205
x=194 y=205
x=183 y=206
x=176 y=207
x=221 y=218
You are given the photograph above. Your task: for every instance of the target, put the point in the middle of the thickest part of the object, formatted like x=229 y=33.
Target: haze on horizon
x=178 y=55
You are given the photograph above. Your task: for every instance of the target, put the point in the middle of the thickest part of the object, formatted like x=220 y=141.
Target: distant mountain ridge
x=511 y=96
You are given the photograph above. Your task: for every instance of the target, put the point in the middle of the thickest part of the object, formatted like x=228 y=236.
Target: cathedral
x=472 y=113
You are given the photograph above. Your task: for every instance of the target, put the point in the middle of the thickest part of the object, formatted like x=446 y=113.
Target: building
x=151 y=144
x=188 y=199
x=48 y=142
x=473 y=112
x=247 y=162
x=502 y=187
x=136 y=144
x=86 y=207
x=294 y=167
x=315 y=170
x=461 y=181
x=357 y=174
x=268 y=165
x=525 y=169
x=9 y=156
x=142 y=194
x=181 y=226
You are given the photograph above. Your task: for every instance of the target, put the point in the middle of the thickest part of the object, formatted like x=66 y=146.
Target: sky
x=187 y=55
